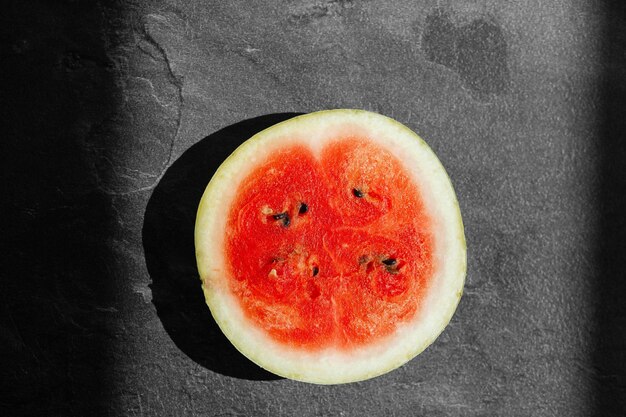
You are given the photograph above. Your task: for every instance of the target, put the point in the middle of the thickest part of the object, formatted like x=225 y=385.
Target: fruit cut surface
x=322 y=253
x=331 y=247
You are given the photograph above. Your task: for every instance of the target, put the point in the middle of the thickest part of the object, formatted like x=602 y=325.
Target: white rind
x=334 y=366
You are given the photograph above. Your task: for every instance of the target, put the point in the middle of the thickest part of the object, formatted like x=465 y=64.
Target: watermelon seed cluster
x=391 y=264
x=284 y=217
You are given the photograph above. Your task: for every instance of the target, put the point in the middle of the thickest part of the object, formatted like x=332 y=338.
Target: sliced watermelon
x=331 y=247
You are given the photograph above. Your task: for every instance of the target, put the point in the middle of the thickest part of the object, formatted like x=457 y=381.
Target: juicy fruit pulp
x=329 y=250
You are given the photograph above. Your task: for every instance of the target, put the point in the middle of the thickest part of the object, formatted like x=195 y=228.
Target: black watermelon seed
x=390 y=261
x=303 y=208
x=357 y=193
x=316 y=270
x=284 y=217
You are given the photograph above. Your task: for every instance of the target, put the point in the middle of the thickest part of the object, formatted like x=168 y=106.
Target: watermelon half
x=331 y=247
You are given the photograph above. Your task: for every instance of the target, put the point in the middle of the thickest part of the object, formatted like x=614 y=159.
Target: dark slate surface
x=115 y=115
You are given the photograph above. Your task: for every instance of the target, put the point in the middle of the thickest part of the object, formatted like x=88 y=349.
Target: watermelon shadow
x=170 y=255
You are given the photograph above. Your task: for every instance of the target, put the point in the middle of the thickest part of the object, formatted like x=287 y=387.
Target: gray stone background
x=116 y=113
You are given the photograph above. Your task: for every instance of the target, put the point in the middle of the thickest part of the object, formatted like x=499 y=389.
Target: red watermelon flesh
x=329 y=251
